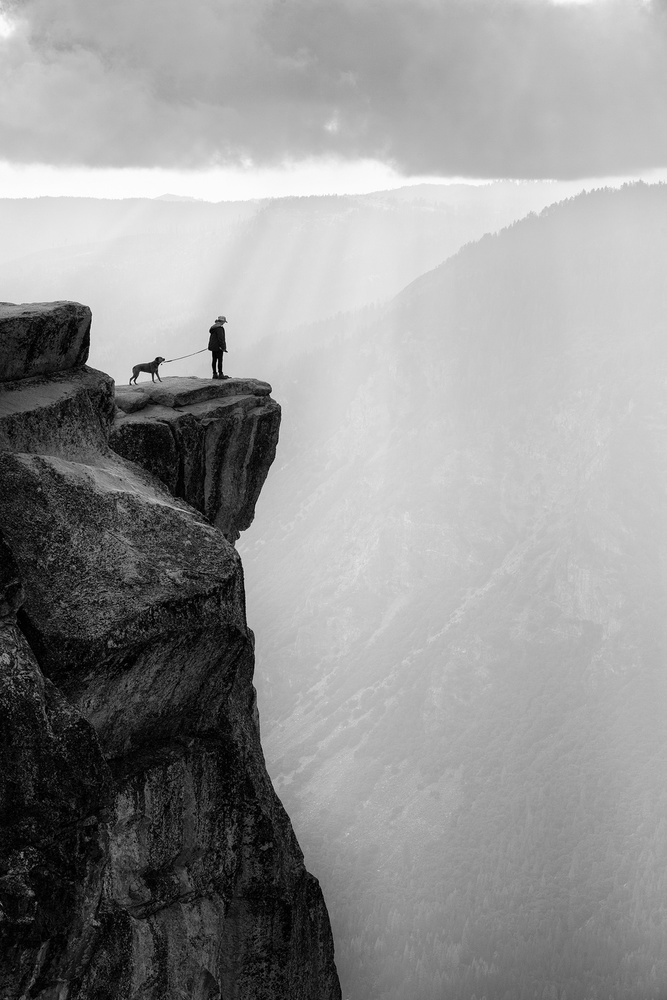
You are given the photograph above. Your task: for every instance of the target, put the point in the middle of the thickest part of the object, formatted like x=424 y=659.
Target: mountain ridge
x=464 y=711
x=155 y=273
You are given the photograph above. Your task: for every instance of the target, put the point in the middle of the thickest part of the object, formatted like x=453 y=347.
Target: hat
x=221 y=319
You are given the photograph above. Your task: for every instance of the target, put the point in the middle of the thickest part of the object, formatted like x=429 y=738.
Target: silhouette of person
x=217 y=345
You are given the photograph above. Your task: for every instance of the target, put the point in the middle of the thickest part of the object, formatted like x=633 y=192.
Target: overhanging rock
x=210 y=443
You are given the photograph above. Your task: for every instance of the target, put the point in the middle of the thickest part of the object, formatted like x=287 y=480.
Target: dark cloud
x=468 y=87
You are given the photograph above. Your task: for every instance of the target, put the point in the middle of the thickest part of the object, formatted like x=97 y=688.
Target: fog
x=456 y=575
x=157 y=273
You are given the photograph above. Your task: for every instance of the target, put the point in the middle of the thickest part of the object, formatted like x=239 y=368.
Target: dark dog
x=151 y=367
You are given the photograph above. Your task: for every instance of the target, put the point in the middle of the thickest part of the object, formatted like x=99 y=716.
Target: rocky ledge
x=143 y=851
x=210 y=442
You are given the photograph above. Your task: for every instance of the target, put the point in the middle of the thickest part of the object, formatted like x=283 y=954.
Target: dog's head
x=158 y=361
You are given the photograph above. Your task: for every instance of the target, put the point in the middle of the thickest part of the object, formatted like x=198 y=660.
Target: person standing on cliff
x=217 y=345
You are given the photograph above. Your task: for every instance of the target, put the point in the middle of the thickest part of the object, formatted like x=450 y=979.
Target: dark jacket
x=216 y=342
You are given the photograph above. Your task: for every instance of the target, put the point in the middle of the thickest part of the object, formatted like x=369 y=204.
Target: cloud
x=442 y=87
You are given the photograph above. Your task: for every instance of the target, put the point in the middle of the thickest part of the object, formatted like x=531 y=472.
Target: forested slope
x=462 y=674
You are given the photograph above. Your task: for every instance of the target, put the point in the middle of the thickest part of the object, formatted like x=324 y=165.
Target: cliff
x=143 y=851
x=210 y=443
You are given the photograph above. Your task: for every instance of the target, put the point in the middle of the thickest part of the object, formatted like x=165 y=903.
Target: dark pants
x=217 y=359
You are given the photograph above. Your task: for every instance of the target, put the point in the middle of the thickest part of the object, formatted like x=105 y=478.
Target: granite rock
x=143 y=850
x=67 y=414
x=40 y=338
x=55 y=809
x=210 y=442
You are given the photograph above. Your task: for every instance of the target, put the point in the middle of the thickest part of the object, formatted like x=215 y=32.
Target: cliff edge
x=143 y=851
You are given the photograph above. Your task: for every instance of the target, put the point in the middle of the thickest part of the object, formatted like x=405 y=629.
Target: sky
x=232 y=98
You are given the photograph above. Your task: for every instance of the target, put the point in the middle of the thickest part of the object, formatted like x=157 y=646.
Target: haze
x=414 y=215
x=455 y=574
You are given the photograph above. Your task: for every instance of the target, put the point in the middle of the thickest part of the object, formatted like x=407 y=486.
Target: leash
x=185 y=356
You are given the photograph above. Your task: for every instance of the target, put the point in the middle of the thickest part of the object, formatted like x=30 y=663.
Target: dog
x=151 y=367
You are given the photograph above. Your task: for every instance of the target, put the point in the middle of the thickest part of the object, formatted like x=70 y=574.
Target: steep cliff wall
x=143 y=852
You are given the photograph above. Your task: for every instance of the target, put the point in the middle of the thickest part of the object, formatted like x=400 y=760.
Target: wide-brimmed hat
x=221 y=319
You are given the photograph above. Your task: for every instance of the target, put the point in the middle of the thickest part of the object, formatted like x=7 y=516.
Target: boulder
x=116 y=573
x=67 y=414
x=129 y=399
x=40 y=338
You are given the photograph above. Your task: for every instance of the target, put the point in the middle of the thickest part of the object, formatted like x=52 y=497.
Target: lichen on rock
x=143 y=851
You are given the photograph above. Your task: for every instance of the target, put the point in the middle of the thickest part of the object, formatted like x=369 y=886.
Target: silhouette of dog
x=151 y=367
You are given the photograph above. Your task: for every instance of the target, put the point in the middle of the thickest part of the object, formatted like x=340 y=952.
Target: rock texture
x=210 y=443
x=42 y=337
x=143 y=851
x=55 y=805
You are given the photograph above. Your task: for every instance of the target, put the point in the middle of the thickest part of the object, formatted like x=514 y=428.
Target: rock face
x=210 y=443
x=143 y=851
x=42 y=337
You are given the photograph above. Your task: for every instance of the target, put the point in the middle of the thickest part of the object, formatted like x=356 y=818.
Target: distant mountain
x=457 y=581
x=60 y=225
x=156 y=273
x=177 y=197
